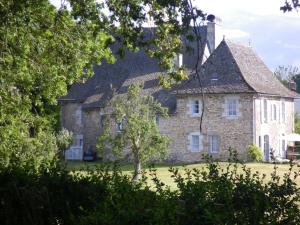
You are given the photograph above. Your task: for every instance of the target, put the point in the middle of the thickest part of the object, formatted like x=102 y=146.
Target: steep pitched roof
x=135 y=67
x=234 y=68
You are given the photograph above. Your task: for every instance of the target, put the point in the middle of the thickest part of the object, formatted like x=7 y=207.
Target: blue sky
x=274 y=35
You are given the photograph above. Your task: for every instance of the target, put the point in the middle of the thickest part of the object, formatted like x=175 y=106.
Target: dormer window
x=214 y=78
x=195 y=107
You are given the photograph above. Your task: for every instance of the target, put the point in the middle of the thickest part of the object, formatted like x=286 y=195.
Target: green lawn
x=164 y=174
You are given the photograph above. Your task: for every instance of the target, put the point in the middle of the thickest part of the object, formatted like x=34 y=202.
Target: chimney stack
x=292 y=85
x=212 y=20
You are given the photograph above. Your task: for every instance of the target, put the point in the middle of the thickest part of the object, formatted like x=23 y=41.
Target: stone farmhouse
x=243 y=103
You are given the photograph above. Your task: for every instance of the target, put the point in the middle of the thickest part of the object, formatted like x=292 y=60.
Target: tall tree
x=43 y=50
x=290 y=5
x=138 y=131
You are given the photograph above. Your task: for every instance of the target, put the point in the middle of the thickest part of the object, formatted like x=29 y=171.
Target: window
x=78 y=140
x=121 y=125
x=78 y=115
x=157 y=120
x=283 y=111
x=213 y=143
x=195 y=142
x=195 y=107
x=274 y=112
x=232 y=107
x=283 y=148
x=259 y=142
x=265 y=111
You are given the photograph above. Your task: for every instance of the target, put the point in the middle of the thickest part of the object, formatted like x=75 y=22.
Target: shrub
x=105 y=196
x=254 y=153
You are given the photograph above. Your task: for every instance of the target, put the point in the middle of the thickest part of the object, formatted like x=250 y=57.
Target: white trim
x=190 y=144
x=210 y=146
x=226 y=112
x=190 y=107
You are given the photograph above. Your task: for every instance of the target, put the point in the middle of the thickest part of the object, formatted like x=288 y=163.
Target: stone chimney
x=212 y=41
x=292 y=85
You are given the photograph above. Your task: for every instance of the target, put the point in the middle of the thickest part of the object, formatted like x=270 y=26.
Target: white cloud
x=296 y=63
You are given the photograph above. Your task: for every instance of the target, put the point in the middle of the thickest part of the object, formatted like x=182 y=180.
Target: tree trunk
x=137 y=168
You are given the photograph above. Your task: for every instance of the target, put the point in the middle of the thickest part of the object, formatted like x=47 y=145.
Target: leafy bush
x=254 y=153
x=105 y=196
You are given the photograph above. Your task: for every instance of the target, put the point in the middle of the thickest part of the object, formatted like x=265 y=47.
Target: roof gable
x=234 y=68
x=256 y=73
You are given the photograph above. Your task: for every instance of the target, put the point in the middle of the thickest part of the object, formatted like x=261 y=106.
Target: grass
x=165 y=176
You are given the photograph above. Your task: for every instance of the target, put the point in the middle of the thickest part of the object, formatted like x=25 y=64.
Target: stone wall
x=236 y=133
x=70 y=118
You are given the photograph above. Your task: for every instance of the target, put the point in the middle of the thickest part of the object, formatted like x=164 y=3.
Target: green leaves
x=139 y=134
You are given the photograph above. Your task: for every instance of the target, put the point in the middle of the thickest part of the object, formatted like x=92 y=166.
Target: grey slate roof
x=135 y=67
x=234 y=68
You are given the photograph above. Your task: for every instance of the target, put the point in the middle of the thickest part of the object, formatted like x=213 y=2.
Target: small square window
x=214 y=144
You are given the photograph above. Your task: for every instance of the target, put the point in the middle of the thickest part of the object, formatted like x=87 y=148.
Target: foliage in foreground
x=105 y=196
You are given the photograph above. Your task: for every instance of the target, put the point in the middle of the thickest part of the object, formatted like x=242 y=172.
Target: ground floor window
x=195 y=142
x=214 y=146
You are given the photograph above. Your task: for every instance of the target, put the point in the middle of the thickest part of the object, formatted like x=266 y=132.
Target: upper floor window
x=274 y=112
x=232 y=107
x=283 y=111
x=265 y=111
x=194 y=107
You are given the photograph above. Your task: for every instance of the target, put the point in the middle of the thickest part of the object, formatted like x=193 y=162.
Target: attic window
x=214 y=78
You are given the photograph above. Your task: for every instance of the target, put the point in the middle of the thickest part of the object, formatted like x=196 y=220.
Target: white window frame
x=274 y=112
x=192 y=103
x=283 y=111
x=191 y=146
x=265 y=110
x=229 y=112
x=214 y=147
x=232 y=107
